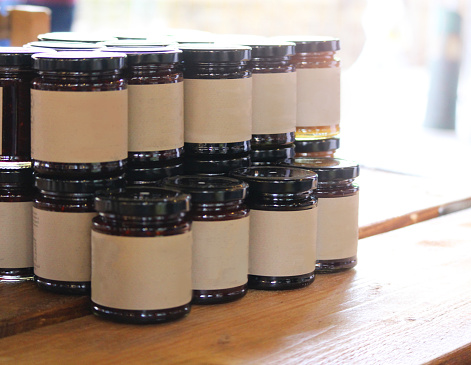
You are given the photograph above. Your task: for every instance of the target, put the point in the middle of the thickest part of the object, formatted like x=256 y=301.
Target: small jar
x=141 y=256
x=218 y=99
x=220 y=236
x=283 y=220
x=79 y=114
x=213 y=165
x=272 y=156
x=274 y=94
x=155 y=92
x=62 y=214
x=337 y=193
x=318 y=87
x=317 y=148
x=16 y=234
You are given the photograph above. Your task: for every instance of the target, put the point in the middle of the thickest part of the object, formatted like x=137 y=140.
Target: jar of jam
x=141 y=255
x=79 y=114
x=273 y=94
x=213 y=165
x=337 y=230
x=271 y=156
x=283 y=220
x=62 y=215
x=218 y=99
x=318 y=87
x=16 y=234
x=317 y=148
x=220 y=236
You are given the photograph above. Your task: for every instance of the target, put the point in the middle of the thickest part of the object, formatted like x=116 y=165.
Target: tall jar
x=283 y=221
x=220 y=236
x=141 y=255
x=16 y=234
x=62 y=215
x=318 y=87
x=338 y=196
x=79 y=114
x=218 y=99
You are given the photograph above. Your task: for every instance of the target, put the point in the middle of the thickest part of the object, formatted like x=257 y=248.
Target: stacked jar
x=217 y=108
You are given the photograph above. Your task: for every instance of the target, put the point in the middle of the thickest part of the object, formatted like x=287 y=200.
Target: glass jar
x=79 y=114
x=141 y=255
x=213 y=165
x=337 y=193
x=318 y=87
x=283 y=220
x=220 y=236
x=273 y=94
x=317 y=148
x=218 y=99
x=62 y=215
x=272 y=156
x=16 y=234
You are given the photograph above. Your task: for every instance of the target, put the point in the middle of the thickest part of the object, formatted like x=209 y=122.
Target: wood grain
x=408 y=301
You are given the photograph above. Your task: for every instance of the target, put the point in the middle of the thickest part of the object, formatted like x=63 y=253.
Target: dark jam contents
x=217 y=199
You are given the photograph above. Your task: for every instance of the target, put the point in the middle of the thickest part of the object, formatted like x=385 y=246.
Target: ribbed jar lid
x=208 y=52
x=313 y=43
x=319 y=145
x=147 y=55
x=328 y=168
x=79 y=186
x=84 y=61
x=17 y=56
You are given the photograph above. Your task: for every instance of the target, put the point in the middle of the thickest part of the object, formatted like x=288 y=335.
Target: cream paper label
x=220 y=254
x=282 y=243
x=141 y=273
x=218 y=111
x=1 y=119
x=337 y=231
x=16 y=235
x=79 y=127
x=274 y=103
x=155 y=117
x=318 y=94
x=62 y=245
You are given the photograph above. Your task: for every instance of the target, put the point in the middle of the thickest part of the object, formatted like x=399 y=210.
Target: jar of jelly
x=318 y=87
x=283 y=220
x=141 y=255
x=273 y=94
x=218 y=99
x=337 y=230
x=317 y=148
x=155 y=92
x=271 y=156
x=220 y=236
x=16 y=234
x=79 y=114
x=213 y=165
x=62 y=215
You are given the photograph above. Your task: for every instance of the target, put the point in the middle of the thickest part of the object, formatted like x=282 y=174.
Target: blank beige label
x=282 y=243
x=141 y=273
x=220 y=254
x=62 y=245
x=274 y=103
x=79 y=127
x=155 y=117
x=337 y=228
x=16 y=235
x=1 y=119
x=318 y=94
x=218 y=111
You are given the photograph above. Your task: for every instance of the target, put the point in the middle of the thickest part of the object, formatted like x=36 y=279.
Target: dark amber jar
x=16 y=234
x=220 y=236
x=317 y=148
x=337 y=193
x=218 y=99
x=273 y=94
x=318 y=87
x=271 y=156
x=141 y=255
x=62 y=215
x=283 y=220
x=79 y=114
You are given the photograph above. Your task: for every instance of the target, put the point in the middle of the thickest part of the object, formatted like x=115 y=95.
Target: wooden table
x=408 y=301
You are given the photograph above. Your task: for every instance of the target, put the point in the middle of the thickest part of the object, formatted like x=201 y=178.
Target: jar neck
x=101 y=75
x=271 y=65
x=328 y=59
x=160 y=74
x=336 y=188
x=236 y=70
x=129 y=222
x=16 y=71
x=292 y=201
x=218 y=210
x=65 y=197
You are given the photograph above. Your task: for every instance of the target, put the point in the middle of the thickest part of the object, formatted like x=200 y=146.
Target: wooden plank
x=408 y=301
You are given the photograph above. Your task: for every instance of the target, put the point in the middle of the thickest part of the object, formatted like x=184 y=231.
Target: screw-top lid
x=79 y=186
x=79 y=61
x=153 y=174
x=62 y=46
x=150 y=55
x=204 y=189
x=213 y=166
x=139 y=43
x=143 y=201
x=206 y=52
x=21 y=176
x=17 y=56
x=75 y=37
x=327 y=168
x=313 y=43
x=270 y=48
x=272 y=155
x=318 y=145
x=277 y=179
